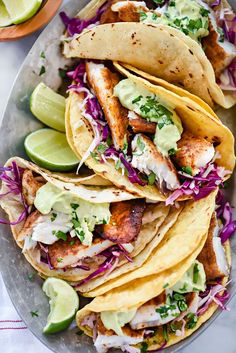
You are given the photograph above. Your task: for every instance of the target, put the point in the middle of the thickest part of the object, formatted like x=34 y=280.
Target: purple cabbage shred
x=224 y=213
x=12 y=177
x=75 y=25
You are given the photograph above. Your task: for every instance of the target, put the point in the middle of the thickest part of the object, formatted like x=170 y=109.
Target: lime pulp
x=49 y=149
x=20 y=10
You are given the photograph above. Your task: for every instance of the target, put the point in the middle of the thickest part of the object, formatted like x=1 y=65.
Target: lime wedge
x=49 y=149
x=5 y=19
x=64 y=302
x=48 y=106
x=21 y=10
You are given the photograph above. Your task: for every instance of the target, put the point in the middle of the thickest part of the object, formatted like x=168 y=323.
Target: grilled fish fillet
x=213 y=255
x=67 y=253
x=125 y=222
x=107 y=339
x=219 y=53
x=150 y=160
x=139 y=124
x=122 y=11
x=30 y=186
x=194 y=152
x=102 y=81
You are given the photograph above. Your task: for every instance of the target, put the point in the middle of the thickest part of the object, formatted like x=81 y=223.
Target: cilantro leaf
x=60 y=235
x=152 y=179
x=42 y=55
x=53 y=217
x=137 y=99
x=204 y=12
x=42 y=70
x=187 y=170
x=192 y=320
x=34 y=313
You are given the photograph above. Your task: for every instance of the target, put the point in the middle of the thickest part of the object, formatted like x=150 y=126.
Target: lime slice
x=48 y=107
x=21 y=10
x=49 y=149
x=64 y=302
x=5 y=19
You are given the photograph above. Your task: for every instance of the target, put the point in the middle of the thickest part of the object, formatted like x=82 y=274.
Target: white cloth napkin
x=14 y=335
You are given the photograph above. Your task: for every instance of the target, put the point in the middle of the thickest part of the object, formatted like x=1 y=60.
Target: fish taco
x=190 y=43
x=78 y=232
x=161 y=310
x=144 y=138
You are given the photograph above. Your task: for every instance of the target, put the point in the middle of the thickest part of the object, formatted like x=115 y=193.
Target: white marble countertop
x=220 y=337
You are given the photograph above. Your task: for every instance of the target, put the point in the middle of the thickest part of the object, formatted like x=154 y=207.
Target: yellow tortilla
x=194 y=119
x=148 y=235
x=178 y=242
x=172 y=56
x=136 y=293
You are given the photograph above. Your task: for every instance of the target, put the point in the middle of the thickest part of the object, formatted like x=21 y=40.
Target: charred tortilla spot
x=190 y=51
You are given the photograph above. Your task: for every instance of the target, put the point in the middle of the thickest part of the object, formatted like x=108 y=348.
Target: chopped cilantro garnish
x=172 y=152
x=137 y=99
x=152 y=110
x=125 y=147
x=144 y=347
x=159 y=2
x=60 y=235
x=204 y=12
x=104 y=221
x=101 y=148
x=172 y=3
x=109 y=141
x=154 y=16
x=74 y=206
x=75 y=222
x=195 y=24
x=192 y=320
x=178 y=296
x=34 y=313
x=95 y=156
x=187 y=170
x=164 y=310
x=152 y=179
x=195 y=273
x=175 y=326
x=166 y=285
x=221 y=34
x=59 y=259
x=80 y=234
x=72 y=242
x=42 y=70
x=62 y=73
x=184 y=288
x=182 y=305
x=177 y=22
x=185 y=31
x=42 y=55
x=143 y=16
x=140 y=147
x=118 y=164
x=31 y=276
x=165 y=333
x=53 y=217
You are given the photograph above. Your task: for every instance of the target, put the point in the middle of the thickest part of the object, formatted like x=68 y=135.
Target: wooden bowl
x=40 y=19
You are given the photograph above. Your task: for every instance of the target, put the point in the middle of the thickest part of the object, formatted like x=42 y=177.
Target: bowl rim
x=43 y=16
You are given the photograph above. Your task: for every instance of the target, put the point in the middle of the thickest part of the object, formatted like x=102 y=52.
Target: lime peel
x=64 y=303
